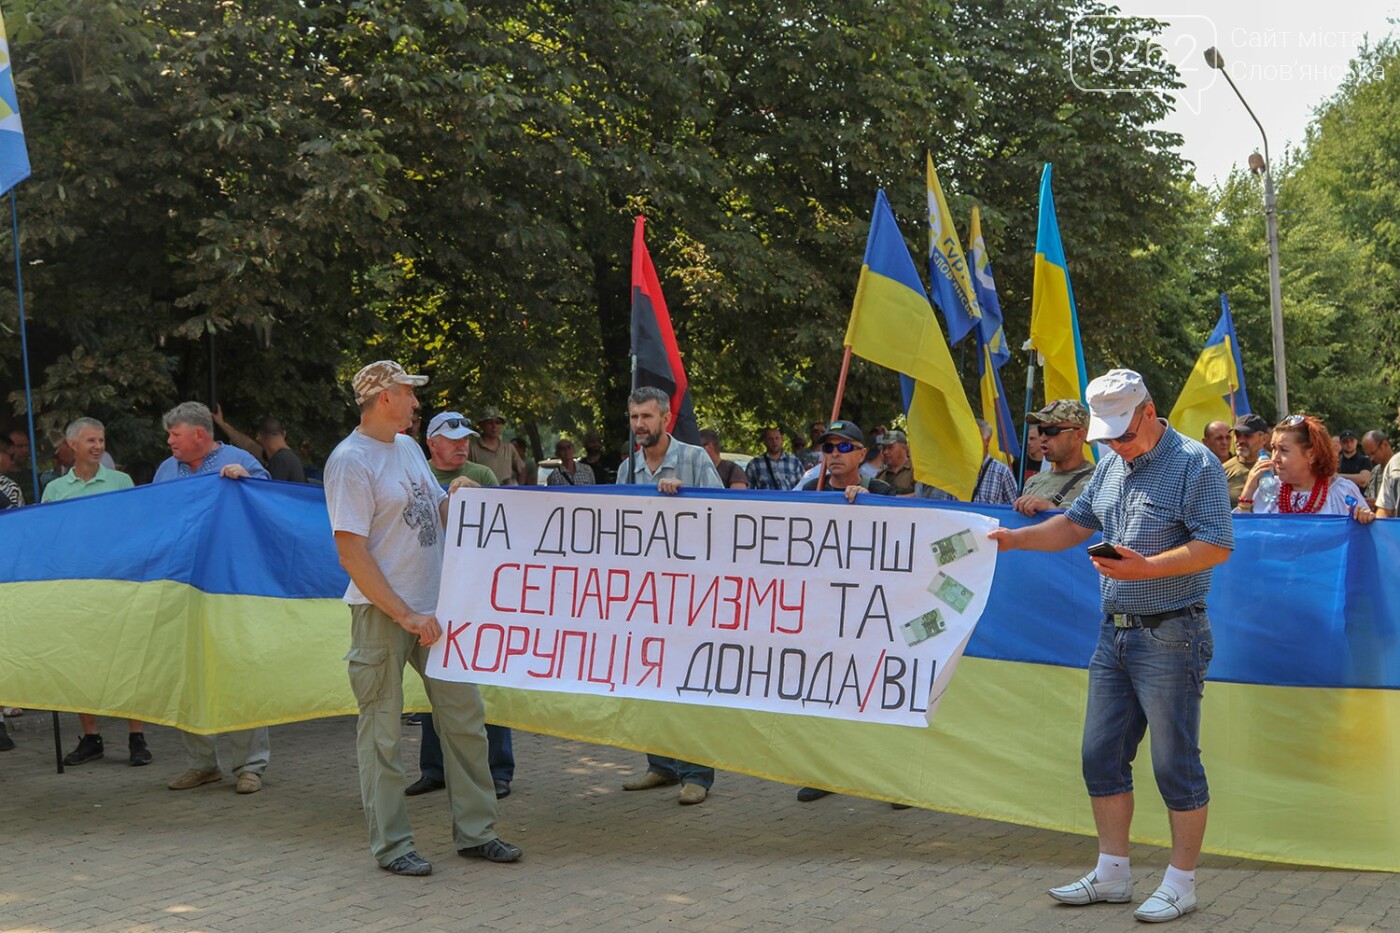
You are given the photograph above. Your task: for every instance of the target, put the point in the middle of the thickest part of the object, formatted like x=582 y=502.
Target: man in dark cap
x=1251 y=437
x=843 y=451
x=1353 y=464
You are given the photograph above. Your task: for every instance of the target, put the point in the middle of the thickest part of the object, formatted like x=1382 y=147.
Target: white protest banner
x=803 y=604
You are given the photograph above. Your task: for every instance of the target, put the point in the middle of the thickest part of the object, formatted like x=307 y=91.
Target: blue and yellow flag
x=892 y=324
x=1054 y=320
x=14 y=155
x=984 y=286
x=949 y=277
x=214 y=632
x=996 y=411
x=992 y=351
x=1215 y=389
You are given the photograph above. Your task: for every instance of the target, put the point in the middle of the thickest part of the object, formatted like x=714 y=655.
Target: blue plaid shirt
x=766 y=473
x=996 y=484
x=1174 y=493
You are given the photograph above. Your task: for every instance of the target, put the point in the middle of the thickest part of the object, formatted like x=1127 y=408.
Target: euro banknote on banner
x=807 y=605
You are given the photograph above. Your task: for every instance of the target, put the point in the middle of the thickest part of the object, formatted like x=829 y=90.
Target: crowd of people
x=386 y=495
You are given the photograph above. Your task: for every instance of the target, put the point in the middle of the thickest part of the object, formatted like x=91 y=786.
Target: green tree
x=1338 y=255
x=302 y=187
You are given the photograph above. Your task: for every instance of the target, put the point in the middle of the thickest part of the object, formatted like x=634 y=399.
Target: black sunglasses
x=1292 y=421
x=455 y=423
x=844 y=447
x=1055 y=430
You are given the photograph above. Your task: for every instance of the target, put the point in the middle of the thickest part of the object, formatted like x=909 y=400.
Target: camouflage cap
x=380 y=376
x=1061 y=411
x=892 y=437
x=490 y=413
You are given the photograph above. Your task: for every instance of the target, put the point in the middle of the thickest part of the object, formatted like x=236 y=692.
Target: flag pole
x=29 y=415
x=1230 y=345
x=632 y=355
x=632 y=435
x=1031 y=354
x=835 y=409
x=24 y=351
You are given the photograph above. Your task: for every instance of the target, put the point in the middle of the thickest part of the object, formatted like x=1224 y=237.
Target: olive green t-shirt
x=1066 y=486
x=475 y=471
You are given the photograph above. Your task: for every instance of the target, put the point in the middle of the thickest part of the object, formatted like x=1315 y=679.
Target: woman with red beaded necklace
x=1306 y=465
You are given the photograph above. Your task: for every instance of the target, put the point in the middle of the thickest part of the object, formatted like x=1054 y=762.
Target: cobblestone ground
x=106 y=847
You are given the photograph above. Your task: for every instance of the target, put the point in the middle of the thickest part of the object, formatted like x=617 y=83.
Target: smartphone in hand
x=1105 y=550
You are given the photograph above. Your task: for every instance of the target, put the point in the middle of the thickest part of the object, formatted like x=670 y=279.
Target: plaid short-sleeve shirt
x=1174 y=493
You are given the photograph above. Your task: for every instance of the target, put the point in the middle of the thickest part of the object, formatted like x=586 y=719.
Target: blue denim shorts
x=1149 y=678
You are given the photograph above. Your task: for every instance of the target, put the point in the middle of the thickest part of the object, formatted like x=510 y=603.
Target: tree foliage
x=1339 y=254
x=252 y=199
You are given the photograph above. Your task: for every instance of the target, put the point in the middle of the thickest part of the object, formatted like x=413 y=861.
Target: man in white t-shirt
x=387 y=512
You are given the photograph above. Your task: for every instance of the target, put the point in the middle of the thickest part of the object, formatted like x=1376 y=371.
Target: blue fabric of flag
x=14 y=154
x=1339 y=628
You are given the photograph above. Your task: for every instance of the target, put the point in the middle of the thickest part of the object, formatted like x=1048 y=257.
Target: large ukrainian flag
x=202 y=603
x=214 y=604
x=892 y=324
x=1215 y=389
x=1054 y=319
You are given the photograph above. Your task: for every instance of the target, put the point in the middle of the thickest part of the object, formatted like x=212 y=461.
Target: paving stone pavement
x=107 y=847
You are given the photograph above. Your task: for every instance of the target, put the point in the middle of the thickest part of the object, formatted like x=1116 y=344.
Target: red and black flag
x=657 y=357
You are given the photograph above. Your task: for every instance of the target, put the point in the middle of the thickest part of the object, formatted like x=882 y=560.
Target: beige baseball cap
x=382 y=375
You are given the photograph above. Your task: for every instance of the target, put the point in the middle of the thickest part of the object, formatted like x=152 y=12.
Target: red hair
x=1312 y=434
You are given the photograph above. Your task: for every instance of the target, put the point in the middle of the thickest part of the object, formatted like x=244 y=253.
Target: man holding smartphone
x=1162 y=504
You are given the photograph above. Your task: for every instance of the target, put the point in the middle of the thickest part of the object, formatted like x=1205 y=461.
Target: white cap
x=1113 y=397
x=451 y=425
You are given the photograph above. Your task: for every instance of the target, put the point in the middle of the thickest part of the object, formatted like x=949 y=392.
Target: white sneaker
x=1090 y=890
x=1165 y=904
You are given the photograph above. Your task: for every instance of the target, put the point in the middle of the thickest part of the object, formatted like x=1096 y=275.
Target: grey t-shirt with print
x=385 y=492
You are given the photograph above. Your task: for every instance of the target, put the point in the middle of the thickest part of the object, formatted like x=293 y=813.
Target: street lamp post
x=1215 y=60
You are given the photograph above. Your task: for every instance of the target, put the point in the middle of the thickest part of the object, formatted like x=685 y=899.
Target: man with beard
x=670 y=465
x=1252 y=435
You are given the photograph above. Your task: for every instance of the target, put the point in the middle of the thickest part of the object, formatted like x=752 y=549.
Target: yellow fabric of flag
x=892 y=324
x=1054 y=319
x=1202 y=399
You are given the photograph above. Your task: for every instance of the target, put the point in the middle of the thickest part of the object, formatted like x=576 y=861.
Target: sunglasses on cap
x=454 y=423
x=843 y=447
x=1055 y=430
